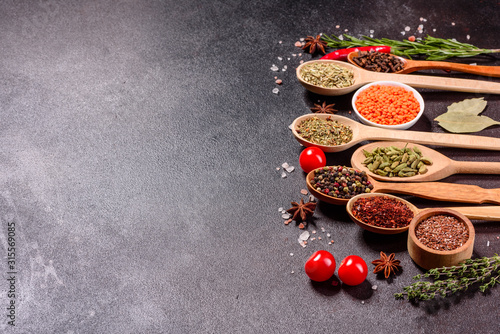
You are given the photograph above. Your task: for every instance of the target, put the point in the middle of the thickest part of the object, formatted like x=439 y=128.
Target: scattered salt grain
x=363 y=302
x=303 y=244
x=341 y=37
x=288 y=58
x=433 y=30
x=328 y=235
x=374 y=287
x=312 y=239
x=286 y=216
x=346 y=30
x=329 y=243
x=407 y=28
x=276 y=90
x=291 y=254
x=292 y=272
x=300 y=54
x=301 y=39
x=274 y=68
x=402 y=33
x=280 y=42
x=280 y=209
x=311 y=198
x=314 y=232
x=280 y=58
x=294 y=55
x=468 y=36
x=452 y=23
x=298 y=44
x=319 y=238
x=279 y=81
x=488 y=244
x=290 y=169
x=285 y=165
x=283 y=174
x=372 y=31
x=303 y=191
x=337 y=26
x=473 y=64
x=290 y=126
x=304 y=236
x=323 y=229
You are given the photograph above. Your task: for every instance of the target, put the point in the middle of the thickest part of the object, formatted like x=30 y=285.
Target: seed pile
x=396 y=162
x=378 y=62
x=442 y=232
x=382 y=211
x=324 y=131
x=327 y=75
x=340 y=182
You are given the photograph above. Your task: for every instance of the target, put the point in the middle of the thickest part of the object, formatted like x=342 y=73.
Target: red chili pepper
x=342 y=53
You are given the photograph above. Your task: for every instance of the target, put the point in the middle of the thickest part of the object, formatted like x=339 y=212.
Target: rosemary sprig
x=432 y=47
x=449 y=280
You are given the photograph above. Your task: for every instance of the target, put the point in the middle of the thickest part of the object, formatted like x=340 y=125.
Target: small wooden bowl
x=429 y=258
x=377 y=229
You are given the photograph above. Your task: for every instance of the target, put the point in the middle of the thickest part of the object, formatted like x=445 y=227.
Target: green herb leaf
x=470 y=106
x=461 y=122
x=463 y=117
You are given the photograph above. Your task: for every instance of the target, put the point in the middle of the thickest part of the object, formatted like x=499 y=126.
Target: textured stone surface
x=139 y=147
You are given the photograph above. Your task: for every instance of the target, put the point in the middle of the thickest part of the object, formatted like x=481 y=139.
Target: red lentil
x=387 y=105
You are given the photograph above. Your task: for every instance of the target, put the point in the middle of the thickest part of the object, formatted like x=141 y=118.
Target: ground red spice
x=382 y=211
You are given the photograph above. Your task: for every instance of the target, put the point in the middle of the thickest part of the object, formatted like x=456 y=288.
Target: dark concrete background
x=139 y=146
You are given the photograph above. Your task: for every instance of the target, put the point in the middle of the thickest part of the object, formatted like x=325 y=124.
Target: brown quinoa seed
x=442 y=232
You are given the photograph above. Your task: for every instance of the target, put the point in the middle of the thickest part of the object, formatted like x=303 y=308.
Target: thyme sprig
x=432 y=47
x=449 y=280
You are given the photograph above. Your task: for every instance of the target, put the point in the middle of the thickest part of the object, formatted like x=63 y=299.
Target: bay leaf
x=470 y=106
x=464 y=122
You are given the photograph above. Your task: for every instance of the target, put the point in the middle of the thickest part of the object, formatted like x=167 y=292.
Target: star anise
x=324 y=108
x=387 y=264
x=302 y=210
x=314 y=44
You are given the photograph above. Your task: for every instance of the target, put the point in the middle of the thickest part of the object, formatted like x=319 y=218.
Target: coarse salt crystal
x=341 y=37
x=473 y=64
x=322 y=229
x=328 y=235
x=302 y=39
x=488 y=244
x=452 y=23
x=288 y=58
x=280 y=42
x=301 y=61
x=372 y=31
x=314 y=232
x=294 y=55
x=319 y=238
x=291 y=254
x=276 y=90
x=285 y=165
x=434 y=30
x=290 y=126
x=274 y=68
x=290 y=169
x=303 y=191
x=292 y=272
x=337 y=26
x=374 y=287
x=468 y=36
x=304 y=236
x=279 y=81
x=283 y=174
x=303 y=244
x=402 y=33
x=298 y=44
x=280 y=58
x=280 y=209
x=311 y=198
x=407 y=28
x=286 y=216
x=346 y=30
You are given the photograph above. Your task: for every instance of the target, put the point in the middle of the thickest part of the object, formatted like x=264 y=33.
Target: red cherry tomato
x=320 y=266
x=353 y=270
x=312 y=158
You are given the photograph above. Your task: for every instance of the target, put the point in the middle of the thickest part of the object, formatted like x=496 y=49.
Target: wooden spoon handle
x=476 y=167
x=436 y=82
x=432 y=138
x=441 y=191
x=490 y=71
x=491 y=213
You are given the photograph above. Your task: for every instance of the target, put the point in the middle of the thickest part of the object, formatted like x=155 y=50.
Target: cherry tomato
x=353 y=270
x=320 y=266
x=312 y=158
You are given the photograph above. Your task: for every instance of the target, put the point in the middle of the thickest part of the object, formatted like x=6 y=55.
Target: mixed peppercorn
x=341 y=182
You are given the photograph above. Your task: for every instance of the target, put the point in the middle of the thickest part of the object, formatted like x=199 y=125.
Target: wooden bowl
x=377 y=229
x=429 y=258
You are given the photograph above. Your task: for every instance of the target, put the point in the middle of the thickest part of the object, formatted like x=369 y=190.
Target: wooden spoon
x=439 y=191
x=489 y=213
x=362 y=132
x=441 y=167
x=362 y=76
x=410 y=66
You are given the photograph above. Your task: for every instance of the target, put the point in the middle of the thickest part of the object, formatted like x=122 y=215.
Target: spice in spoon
x=382 y=211
x=340 y=182
x=327 y=75
x=325 y=131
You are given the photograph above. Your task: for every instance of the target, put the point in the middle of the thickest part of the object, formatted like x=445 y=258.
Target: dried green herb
x=448 y=280
x=324 y=131
x=463 y=117
x=432 y=48
x=327 y=75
